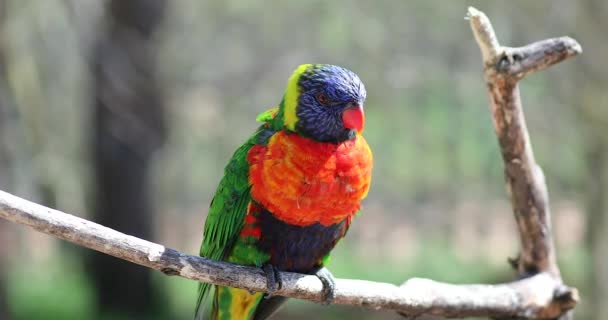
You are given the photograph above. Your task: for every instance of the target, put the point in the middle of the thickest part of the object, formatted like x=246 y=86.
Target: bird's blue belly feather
x=297 y=248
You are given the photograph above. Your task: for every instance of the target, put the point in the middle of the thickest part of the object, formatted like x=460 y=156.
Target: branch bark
x=540 y=296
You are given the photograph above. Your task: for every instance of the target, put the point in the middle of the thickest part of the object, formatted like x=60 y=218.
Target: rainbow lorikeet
x=289 y=193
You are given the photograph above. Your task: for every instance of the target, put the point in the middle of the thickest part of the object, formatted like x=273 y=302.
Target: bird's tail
x=229 y=303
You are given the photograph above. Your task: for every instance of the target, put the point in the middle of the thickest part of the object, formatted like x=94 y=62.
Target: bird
x=290 y=192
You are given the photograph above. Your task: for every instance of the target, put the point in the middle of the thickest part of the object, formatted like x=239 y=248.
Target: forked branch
x=525 y=182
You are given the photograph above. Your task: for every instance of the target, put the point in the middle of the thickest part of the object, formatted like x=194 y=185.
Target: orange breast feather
x=302 y=181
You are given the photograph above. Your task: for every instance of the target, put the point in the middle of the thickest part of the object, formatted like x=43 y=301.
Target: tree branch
x=532 y=297
x=525 y=182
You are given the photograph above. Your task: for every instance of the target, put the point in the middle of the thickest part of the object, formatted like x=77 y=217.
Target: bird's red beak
x=353 y=117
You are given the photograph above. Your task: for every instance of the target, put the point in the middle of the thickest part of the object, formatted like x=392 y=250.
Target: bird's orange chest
x=302 y=182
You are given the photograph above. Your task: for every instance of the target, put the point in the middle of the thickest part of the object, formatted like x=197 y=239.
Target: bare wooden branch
x=534 y=297
x=537 y=56
x=503 y=68
x=485 y=35
x=525 y=182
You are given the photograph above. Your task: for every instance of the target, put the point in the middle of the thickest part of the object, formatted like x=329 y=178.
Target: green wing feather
x=227 y=211
x=228 y=208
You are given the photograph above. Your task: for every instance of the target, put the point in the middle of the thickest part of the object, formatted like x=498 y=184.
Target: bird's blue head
x=325 y=103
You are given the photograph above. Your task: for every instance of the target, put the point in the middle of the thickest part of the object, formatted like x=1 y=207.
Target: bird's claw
x=273 y=280
x=329 y=285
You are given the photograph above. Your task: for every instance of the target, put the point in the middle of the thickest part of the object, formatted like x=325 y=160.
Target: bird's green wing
x=227 y=211
x=228 y=208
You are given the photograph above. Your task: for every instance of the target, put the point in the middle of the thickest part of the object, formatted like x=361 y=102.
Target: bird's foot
x=329 y=285
x=273 y=280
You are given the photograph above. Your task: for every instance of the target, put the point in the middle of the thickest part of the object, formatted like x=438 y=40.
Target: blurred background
x=125 y=112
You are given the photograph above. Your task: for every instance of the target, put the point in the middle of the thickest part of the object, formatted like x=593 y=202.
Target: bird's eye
x=322 y=99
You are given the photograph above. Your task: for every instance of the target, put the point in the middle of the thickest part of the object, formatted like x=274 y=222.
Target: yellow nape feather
x=291 y=97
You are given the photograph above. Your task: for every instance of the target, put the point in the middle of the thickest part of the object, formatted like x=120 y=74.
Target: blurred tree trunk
x=593 y=101
x=583 y=87
x=128 y=127
x=597 y=230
